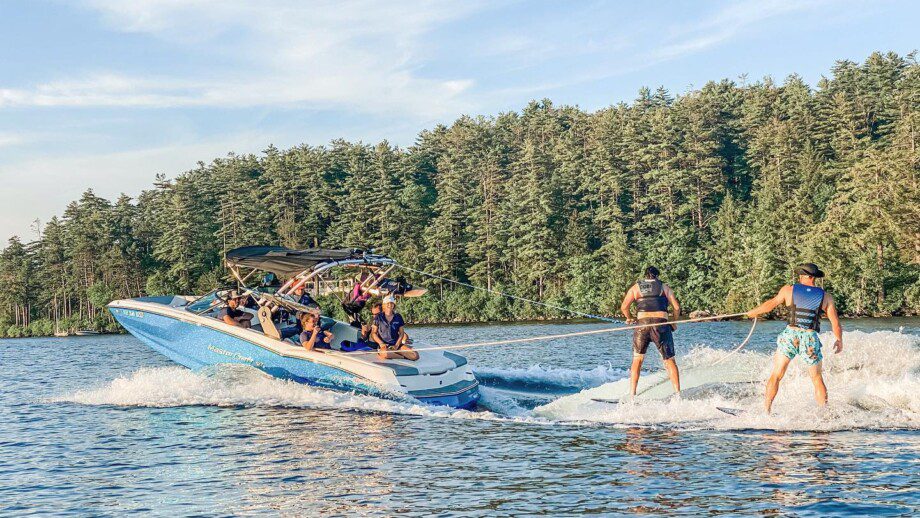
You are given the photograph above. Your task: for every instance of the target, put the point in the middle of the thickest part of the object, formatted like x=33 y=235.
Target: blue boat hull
x=197 y=346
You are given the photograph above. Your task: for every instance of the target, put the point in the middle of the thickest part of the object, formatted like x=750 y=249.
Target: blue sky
x=108 y=93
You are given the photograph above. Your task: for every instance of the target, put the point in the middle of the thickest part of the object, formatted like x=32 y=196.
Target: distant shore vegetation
x=724 y=188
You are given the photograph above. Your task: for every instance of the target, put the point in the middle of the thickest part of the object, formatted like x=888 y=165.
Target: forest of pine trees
x=724 y=189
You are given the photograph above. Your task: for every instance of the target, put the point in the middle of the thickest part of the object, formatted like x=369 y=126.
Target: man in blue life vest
x=805 y=302
x=652 y=298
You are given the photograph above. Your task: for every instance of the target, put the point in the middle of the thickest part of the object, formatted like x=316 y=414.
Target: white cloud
x=103 y=90
x=725 y=25
x=356 y=55
x=11 y=139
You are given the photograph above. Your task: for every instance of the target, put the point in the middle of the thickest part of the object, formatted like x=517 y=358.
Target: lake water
x=105 y=426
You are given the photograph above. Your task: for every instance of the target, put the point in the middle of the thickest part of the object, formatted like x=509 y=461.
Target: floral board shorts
x=804 y=342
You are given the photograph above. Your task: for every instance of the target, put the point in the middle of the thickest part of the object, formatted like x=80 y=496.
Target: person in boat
x=304 y=299
x=389 y=333
x=355 y=303
x=652 y=298
x=313 y=335
x=366 y=329
x=805 y=303
x=232 y=314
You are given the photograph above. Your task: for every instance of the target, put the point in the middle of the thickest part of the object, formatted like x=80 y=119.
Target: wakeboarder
x=652 y=298
x=805 y=302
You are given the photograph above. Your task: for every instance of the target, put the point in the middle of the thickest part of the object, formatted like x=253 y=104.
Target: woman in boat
x=313 y=336
x=388 y=333
x=356 y=301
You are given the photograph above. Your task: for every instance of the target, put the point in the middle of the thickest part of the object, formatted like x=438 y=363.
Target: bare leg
x=404 y=353
x=820 y=389
x=780 y=363
x=671 y=366
x=407 y=353
x=634 y=372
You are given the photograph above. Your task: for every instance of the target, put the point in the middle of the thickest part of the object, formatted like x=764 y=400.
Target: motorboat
x=187 y=329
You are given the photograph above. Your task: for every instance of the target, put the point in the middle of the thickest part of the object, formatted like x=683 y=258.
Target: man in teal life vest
x=805 y=302
x=652 y=298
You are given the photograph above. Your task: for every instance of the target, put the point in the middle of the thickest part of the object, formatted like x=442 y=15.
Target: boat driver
x=232 y=315
x=389 y=333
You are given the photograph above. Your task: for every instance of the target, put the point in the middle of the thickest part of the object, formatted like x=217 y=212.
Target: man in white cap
x=389 y=333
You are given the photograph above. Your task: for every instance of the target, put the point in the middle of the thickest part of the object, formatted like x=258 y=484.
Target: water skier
x=652 y=298
x=805 y=302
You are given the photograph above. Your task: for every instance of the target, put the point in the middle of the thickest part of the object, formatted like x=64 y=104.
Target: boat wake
x=548 y=380
x=873 y=384
x=232 y=385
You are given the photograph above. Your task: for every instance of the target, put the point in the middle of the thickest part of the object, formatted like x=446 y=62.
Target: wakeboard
x=731 y=411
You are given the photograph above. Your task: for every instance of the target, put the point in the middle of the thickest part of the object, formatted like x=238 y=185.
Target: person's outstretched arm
x=771 y=304
x=831 y=311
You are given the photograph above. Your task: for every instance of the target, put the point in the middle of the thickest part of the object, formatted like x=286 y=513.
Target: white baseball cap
x=389 y=299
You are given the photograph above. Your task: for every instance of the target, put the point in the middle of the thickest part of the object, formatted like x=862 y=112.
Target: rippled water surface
x=103 y=426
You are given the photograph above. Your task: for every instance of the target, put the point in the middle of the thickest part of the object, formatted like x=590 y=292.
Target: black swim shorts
x=661 y=335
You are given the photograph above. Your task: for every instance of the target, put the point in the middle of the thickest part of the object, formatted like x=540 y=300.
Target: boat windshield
x=203 y=303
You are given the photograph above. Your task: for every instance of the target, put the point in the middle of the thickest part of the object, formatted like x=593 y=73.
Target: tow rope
x=577 y=333
x=742 y=344
x=510 y=296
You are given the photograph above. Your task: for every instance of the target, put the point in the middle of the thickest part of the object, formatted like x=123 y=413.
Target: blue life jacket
x=652 y=297
x=805 y=310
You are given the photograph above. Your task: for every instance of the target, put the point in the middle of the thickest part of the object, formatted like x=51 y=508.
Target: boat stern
x=463 y=395
x=439 y=378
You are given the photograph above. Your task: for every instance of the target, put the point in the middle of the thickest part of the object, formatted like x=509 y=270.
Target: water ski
x=730 y=411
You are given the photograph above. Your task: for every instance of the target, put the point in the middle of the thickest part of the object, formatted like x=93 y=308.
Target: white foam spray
x=873 y=384
x=243 y=386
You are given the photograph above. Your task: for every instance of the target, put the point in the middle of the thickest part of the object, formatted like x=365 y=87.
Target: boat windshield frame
x=198 y=311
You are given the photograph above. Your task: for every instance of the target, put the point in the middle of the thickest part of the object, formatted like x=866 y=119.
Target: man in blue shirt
x=389 y=333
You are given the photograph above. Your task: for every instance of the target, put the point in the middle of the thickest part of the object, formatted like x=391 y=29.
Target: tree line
x=724 y=188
